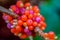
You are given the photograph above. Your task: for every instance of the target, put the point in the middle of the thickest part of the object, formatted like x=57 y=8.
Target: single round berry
x=24 y=24
x=34 y=24
x=51 y=35
x=38 y=19
x=20 y=22
x=31 y=28
x=30 y=16
x=19 y=4
x=18 y=28
x=24 y=18
x=29 y=22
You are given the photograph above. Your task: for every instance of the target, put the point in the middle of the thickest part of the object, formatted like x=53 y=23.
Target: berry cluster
x=28 y=23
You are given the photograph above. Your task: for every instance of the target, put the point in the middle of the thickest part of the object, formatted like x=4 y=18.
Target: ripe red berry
x=51 y=35
x=31 y=28
x=18 y=28
x=24 y=18
x=20 y=22
x=19 y=4
x=29 y=22
x=34 y=24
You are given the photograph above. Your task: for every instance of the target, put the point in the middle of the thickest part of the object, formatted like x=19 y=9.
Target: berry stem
x=2 y=9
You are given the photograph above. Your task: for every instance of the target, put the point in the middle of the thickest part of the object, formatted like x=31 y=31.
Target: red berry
x=31 y=28
x=24 y=18
x=30 y=16
x=34 y=24
x=18 y=28
x=24 y=24
x=43 y=24
x=42 y=18
x=51 y=35
x=19 y=4
x=29 y=22
x=20 y=22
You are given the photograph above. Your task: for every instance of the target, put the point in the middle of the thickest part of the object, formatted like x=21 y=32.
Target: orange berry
x=43 y=24
x=35 y=14
x=51 y=35
x=20 y=22
x=24 y=18
x=24 y=24
x=45 y=35
x=42 y=18
x=42 y=28
x=39 y=25
x=35 y=9
x=30 y=16
x=18 y=28
x=27 y=5
x=34 y=24
x=23 y=36
x=31 y=28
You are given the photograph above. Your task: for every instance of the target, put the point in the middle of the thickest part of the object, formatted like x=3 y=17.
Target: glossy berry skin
x=24 y=24
x=51 y=35
x=42 y=18
x=19 y=4
x=38 y=19
x=31 y=28
x=29 y=22
x=24 y=18
x=39 y=25
x=34 y=8
x=30 y=16
x=34 y=24
x=43 y=24
x=20 y=22
x=18 y=28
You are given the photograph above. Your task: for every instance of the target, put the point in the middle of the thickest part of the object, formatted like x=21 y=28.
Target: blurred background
x=50 y=9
